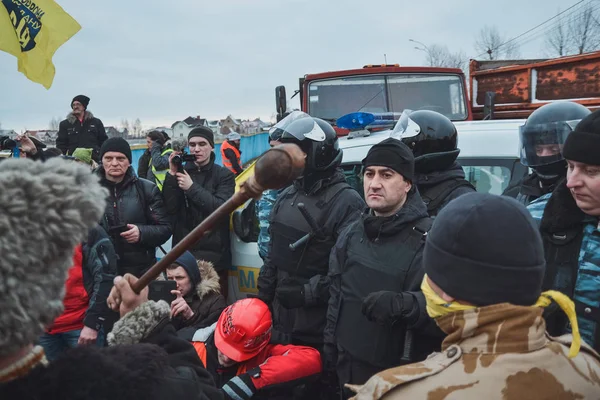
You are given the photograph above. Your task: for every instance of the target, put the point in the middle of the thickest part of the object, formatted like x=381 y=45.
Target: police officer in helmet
x=432 y=137
x=293 y=280
x=541 y=140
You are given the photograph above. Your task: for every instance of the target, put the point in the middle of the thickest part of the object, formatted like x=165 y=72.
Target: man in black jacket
x=192 y=195
x=305 y=222
x=377 y=259
x=63 y=200
x=135 y=217
x=81 y=129
x=433 y=138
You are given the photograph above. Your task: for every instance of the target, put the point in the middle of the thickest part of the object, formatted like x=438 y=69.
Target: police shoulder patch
x=385 y=381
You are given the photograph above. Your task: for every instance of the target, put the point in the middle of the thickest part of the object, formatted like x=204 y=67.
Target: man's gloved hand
x=290 y=293
x=239 y=387
x=383 y=307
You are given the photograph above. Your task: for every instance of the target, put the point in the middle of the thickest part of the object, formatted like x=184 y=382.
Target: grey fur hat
x=46 y=209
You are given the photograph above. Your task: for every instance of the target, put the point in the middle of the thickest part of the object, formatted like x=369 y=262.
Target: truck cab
x=489 y=156
x=381 y=89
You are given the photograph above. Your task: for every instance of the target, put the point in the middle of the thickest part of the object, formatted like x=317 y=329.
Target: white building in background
x=182 y=128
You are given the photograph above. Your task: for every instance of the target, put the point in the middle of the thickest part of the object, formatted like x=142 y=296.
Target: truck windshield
x=331 y=98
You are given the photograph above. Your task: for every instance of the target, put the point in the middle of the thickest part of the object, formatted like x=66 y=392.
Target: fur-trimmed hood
x=210 y=280
x=72 y=118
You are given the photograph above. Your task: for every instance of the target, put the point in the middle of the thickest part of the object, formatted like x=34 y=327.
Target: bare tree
x=125 y=125
x=440 y=56
x=584 y=30
x=557 y=39
x=137 y=128
x=496 y=46
x=54 y=124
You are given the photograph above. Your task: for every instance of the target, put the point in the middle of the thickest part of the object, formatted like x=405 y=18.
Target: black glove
x=290 y=293
x=239 y=387
x=383 y=307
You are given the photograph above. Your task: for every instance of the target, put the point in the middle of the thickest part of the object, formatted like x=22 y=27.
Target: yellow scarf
x=438 y=307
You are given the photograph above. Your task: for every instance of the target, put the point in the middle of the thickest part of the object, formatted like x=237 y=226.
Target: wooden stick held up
x=275 y=169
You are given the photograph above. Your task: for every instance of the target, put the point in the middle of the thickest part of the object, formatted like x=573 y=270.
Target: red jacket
x=76 y=300
x=278 y=364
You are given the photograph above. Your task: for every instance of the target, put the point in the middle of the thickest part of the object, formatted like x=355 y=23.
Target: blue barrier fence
x=251 y=147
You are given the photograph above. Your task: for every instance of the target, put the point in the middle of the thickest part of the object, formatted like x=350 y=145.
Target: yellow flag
x=32 y=32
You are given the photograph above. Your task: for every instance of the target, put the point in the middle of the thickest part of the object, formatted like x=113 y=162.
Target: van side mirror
x=280 y=102
x=488 y=105
x=245 y=223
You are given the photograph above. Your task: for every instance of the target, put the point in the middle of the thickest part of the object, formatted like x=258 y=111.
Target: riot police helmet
x=316 y=138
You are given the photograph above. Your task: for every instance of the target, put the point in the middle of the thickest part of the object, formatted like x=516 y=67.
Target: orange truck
x=503 y=89
x=516 y=88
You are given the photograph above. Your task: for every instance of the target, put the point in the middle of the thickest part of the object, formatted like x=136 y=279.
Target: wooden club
x=275 y=169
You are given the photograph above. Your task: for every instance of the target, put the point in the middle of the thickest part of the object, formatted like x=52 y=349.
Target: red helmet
x=243 y=329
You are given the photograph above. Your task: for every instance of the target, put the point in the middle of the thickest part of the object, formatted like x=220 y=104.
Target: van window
x=488 y=179
x=488 y=176
x=353 y=174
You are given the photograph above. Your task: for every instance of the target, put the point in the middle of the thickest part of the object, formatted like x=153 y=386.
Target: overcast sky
x=162 y=61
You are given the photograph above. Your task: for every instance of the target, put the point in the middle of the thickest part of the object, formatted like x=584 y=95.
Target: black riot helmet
x=277 y=130
x=544 y=133
x=431 y=136
x=315 y=137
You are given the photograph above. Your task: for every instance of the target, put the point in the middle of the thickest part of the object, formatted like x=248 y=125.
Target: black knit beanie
x=583 y=144
x=84 y=100
x=393 y=154
x=486 y=249
x=189 y=263
x=205 y=132
x=116 y=144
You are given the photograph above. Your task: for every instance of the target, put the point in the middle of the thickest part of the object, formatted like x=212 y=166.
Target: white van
x=489 y=154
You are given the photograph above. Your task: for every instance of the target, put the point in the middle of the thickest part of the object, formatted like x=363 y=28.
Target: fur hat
x=46 y=209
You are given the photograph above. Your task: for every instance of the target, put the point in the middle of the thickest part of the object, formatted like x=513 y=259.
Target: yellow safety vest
x=160 y=176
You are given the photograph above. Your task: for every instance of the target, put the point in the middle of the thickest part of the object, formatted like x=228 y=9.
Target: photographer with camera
x=195 y=187
x=32 y=147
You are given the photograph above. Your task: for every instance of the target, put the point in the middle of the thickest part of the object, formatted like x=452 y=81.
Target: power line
x=532 y=29
x=571 y=19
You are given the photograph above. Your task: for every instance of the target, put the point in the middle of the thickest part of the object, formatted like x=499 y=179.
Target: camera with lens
x=179 y=159
x=7 y=143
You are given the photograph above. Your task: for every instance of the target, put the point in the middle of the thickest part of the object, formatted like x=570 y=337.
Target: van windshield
x=331 y=98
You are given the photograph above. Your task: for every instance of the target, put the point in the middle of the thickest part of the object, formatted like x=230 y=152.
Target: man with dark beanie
x=375 y=272
x=135 y=217
x=484 y=264
x=81 y=129
x=192 y=195
x=568 y=219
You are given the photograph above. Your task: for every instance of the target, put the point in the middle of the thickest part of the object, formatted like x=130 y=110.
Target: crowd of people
x=416 y=286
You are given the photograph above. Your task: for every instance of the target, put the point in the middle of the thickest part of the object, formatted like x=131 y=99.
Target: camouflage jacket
x=495 y=352
x=263 y=213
